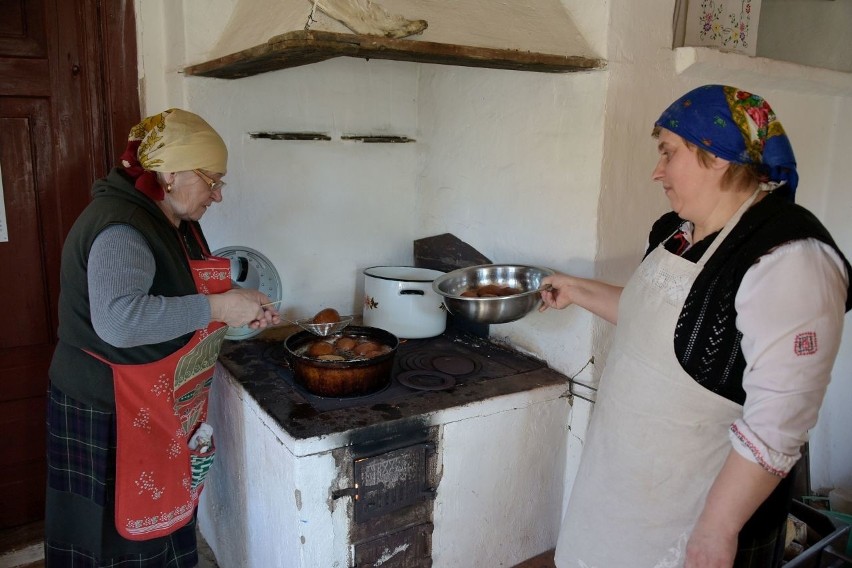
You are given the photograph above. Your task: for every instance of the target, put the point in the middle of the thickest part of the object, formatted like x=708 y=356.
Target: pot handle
x=412 y=293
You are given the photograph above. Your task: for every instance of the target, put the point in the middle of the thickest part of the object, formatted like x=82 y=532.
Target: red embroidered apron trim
x=758 y=455
x=213 y=277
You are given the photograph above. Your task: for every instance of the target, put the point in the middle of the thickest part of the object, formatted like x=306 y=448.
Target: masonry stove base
x=299 y=471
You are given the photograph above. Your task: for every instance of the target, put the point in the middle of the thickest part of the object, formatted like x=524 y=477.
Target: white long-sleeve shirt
x=790 y=310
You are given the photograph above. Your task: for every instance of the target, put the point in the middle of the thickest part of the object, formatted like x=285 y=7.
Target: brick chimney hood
x=525 y=35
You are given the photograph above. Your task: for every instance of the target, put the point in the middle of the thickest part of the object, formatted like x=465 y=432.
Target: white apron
x=657 y=439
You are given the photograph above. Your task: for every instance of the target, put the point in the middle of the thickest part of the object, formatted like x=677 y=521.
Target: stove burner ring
x=426 y=380
x=454 y=365
x=449 y=364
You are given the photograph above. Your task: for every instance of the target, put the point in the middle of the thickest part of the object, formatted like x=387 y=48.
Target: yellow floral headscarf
x=172 y=141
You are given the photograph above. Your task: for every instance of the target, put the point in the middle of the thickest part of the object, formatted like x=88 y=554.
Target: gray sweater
x=121 y=269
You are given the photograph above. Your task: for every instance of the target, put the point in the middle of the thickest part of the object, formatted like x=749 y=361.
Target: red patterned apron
x=159 y=405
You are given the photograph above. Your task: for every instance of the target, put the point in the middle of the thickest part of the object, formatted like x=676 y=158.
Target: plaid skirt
x=79 y=517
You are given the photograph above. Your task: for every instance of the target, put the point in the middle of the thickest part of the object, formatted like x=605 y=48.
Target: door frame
x=80 y=57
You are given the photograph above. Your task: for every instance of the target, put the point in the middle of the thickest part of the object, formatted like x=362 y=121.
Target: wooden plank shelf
x=297 y=48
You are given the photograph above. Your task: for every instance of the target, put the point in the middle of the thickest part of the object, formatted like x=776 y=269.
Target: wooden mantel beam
x=297 y=48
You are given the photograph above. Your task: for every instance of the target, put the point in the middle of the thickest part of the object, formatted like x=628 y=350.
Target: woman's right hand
x=556 y=291
x=241 y=306
x=598 y=297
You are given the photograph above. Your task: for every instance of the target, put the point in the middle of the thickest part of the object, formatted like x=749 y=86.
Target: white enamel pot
x=400 y=299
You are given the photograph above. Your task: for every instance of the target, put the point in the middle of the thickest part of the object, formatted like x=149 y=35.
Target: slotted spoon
x=318 y=329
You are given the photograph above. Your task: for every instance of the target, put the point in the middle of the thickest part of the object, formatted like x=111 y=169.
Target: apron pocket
x=200 y=464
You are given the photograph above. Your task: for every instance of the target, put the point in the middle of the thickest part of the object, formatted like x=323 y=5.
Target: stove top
x=428 y=375
x=433 y=364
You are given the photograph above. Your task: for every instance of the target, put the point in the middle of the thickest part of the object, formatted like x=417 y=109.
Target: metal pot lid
x=250 y=269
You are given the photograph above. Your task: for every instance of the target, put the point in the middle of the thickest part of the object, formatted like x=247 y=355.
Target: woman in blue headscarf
x=725 y=340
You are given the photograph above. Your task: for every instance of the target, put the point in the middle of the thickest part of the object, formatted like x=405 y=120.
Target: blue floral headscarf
x=739 y=127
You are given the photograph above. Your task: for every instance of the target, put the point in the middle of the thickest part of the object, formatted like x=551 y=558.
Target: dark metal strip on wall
x=311 y=136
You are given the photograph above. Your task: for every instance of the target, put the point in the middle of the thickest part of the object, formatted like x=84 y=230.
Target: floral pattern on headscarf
x=134 y=158
x=150 y=132
x=737 y=126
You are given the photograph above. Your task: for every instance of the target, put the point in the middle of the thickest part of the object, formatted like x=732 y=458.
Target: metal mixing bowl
x=491 y=310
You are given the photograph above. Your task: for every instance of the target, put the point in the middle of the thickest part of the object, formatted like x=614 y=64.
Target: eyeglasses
x=212 y=183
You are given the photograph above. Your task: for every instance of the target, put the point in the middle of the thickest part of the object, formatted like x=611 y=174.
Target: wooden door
x=67 y=102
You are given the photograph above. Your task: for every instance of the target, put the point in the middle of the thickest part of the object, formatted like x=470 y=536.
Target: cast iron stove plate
x=426 y=380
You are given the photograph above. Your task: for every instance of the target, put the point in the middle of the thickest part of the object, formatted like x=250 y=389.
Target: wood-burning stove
x=420 y=474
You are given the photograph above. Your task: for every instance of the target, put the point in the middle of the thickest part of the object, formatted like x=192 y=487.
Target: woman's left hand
x=242 y=306
x=710 y=549
x=269 y=317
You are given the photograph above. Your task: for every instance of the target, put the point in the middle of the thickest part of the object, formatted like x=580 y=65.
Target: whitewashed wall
x=526 y=167
x=831 y=463
x=511 y=166
x=810 y=32
x=322 y=211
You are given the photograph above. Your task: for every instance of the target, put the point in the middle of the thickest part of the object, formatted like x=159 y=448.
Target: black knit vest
x=116 y=201
x=706 y=340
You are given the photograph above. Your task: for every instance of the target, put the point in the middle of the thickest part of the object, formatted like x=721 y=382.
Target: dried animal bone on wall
x=370 y=18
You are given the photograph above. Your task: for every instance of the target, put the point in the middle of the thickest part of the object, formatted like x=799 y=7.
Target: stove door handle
x=356 y=491
x=428 y=494
x=348 y=492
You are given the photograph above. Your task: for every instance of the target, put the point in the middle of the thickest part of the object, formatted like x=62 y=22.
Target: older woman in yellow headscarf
x=143 y=310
